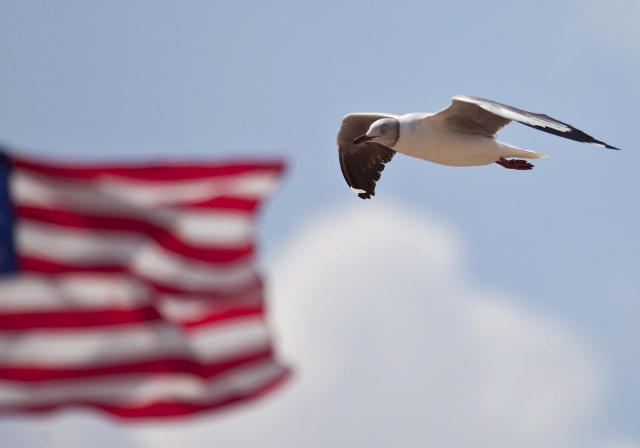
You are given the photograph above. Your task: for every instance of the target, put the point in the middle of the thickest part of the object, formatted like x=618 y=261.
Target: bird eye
x=383 y=130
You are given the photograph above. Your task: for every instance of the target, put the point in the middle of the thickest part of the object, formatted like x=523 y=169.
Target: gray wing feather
x=473 y=115
x=470 y=118
x=362 y=164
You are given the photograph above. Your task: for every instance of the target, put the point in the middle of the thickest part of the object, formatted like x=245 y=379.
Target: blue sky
x=182 y=80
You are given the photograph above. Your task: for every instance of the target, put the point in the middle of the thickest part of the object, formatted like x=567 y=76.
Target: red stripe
x=159 y=409
x=86 y=221
x=76 y=319
x=249 y=287
x=229 y=203
x=88 y=318
x=219 y=299
x=31 y=373
x=152 y=172
x=30 y=264
x=230 y=313
x=242 y=253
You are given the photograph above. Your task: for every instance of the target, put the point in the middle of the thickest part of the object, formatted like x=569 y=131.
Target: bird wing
x=362 y=164
x=485 y=117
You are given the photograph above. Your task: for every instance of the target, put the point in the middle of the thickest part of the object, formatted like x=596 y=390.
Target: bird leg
x=514 y=164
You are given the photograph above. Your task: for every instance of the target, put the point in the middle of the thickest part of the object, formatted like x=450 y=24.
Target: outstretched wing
x=480 y=116
x=362 y=164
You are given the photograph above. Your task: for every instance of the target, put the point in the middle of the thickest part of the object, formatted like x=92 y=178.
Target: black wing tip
x=594 y=142
x=572 y=134
x=601 y=144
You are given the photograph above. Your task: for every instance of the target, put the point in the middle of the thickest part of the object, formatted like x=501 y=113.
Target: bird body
x=463 y=134
x=423 y=138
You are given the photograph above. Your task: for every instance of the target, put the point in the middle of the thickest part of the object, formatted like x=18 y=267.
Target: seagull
x=463 y=134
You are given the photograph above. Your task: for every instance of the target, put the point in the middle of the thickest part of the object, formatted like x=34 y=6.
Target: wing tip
x=570 y=129
x=603 y=145
x=362 y=194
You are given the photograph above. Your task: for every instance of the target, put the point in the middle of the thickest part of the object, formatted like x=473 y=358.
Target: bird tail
x=512 y=151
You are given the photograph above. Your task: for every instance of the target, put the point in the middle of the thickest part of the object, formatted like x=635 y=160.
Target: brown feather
x=362 y=164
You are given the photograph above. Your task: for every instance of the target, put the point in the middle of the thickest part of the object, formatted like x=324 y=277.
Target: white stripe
x=175 y=271
x=30 y=189
x=97 y=291
x=69 y=292
x=111 y=194
x=253 y=185
x=219 y=341
x=219 y=227
x=223 y=229
x=140 y=389
x=86 y=247
x=77 y=348
x=80 y=247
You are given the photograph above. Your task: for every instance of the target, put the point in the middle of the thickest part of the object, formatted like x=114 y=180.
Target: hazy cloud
x=394 y=345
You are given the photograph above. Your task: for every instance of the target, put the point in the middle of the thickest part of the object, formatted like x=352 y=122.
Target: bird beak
x=362 y=138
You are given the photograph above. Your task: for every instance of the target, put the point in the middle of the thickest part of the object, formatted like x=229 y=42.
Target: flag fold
x=133 y=289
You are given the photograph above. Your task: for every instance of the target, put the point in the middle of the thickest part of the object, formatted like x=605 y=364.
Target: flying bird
x=463 y=134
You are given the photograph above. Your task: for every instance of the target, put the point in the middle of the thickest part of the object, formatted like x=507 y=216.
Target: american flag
x=133 y=290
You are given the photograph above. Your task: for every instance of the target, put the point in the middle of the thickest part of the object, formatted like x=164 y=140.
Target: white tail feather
x=512 y=151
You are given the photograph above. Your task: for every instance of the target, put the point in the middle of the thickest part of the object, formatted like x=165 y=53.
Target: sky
x=459 y=307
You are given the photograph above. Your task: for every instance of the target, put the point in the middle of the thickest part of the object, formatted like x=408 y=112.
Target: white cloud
x=394 y=346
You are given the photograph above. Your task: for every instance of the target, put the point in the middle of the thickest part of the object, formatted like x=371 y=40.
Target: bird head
x=384 y=131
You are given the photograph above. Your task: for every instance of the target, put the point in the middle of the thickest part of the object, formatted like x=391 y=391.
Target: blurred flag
x=132 y=289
